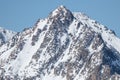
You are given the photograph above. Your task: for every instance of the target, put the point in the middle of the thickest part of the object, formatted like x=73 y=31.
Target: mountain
x=63 y=46
x=5 y=35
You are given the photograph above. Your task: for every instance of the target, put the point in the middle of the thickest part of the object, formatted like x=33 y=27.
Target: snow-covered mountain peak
x=60 y=10
x=5 y=35
x=61 y=15
x=63 y=46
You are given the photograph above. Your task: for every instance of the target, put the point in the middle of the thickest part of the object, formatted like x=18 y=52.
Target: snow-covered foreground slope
x=64 y=46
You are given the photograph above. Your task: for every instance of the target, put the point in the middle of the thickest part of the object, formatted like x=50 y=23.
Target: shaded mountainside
x=63 y=46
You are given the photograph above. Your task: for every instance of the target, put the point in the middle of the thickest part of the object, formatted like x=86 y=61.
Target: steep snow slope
x=63 y=46
x=108 y=35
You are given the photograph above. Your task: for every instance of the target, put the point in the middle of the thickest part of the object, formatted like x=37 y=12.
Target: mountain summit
x=61 y=15
x=5 y=35
x=63 y=46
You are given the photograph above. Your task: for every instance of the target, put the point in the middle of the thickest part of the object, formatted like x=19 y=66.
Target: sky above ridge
x=19 y=14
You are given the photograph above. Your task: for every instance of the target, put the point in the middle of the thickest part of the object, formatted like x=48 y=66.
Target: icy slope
x=63 y=46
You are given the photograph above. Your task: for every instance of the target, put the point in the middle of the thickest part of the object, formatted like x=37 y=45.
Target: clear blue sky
x=18 y=14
